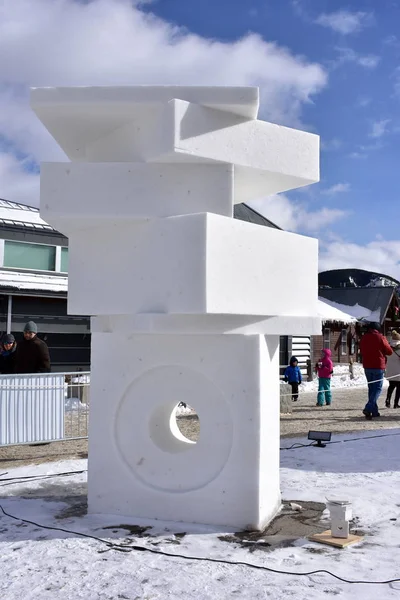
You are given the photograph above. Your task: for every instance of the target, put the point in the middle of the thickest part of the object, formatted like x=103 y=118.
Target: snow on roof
x=356 y=312
x=31 y=281
x=328 y=312
x=14 y=213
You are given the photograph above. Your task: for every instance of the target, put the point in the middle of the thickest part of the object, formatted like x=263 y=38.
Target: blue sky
x=357 y=115
x=326 y=66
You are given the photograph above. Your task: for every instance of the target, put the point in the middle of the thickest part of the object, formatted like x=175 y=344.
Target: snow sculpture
x=187 y=303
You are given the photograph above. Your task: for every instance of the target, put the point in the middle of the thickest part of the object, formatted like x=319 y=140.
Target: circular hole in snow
x=185 y=423
x=173 y=433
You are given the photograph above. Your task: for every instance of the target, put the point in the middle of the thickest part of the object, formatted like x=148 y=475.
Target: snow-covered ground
x=46 y=564
x=340 y=379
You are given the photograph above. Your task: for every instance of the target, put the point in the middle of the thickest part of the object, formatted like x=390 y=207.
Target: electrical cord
x=29 y=478
x=134 y=547
x=297 y=445
x=53 y=528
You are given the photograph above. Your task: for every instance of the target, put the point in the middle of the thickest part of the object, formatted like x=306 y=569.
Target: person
x=293 y=376
x=393 y=371
x=32 y=353
x=325 y=370
x=374 y=351
x=8 y=355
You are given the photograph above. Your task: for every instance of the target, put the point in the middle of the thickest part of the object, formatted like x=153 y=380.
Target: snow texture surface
x=39 y=563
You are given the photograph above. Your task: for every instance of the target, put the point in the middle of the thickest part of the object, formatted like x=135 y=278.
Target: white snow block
x=149 y=126
x=77 y=116
x=206 y=324
x=193 y=264
x=231 y=475
x=77 y=195
x=270 y=158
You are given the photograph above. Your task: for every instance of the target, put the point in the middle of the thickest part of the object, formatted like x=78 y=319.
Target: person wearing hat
x=393 y=371
x=374 y=349
x=8 y=355
x=32 y=352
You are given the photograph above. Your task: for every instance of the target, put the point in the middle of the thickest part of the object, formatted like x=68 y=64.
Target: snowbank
x=340 y=379
x=72 y=404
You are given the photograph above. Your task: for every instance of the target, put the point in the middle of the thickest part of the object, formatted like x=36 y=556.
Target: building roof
x=28 y=283
x=243 y=212
x=335 y=278
x=21 y=215
x=329 y=313
x=367 y=303
x=21 y=222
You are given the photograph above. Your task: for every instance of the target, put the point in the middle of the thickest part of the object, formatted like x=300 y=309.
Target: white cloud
x=391 y=40
x=363 y=150
x=380 y=255
x=299 y=9
x=348 y=55
x=344 y=21
x=105 y=42
x=369 y=61
x=293 y=216
x=363 y=102
x=338 y=188
x=16 y=183
x=396 y=77
x=378 y=145
x=379 y=128
x=331 y=145
x=358 y=155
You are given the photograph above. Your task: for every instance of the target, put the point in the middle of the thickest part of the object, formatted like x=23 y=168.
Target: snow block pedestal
x=187 y=304
x=151 y=468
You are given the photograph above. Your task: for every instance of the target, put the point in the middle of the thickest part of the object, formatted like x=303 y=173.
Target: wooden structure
x=326 y=538
x=378 y=304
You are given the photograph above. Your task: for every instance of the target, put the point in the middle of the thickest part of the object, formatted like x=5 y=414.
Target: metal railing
x=43 y=407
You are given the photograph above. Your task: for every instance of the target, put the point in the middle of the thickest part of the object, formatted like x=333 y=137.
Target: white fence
x=44 y=407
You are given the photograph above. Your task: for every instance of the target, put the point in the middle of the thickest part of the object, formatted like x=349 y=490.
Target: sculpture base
x=140 y=465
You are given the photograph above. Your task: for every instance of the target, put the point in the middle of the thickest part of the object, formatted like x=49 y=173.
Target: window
x=343 y=342
x=64 y=260
x=327 y=338
x=21 y=255
x=283 y=353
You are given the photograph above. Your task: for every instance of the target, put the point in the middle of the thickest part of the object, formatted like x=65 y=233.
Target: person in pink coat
x=325 y=370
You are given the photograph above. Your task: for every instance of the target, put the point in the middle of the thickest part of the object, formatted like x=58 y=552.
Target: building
x=363 y=305
x=33 y=285
x=338 y=278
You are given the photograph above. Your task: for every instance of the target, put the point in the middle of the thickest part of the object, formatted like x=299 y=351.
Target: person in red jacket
x=374 y=349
